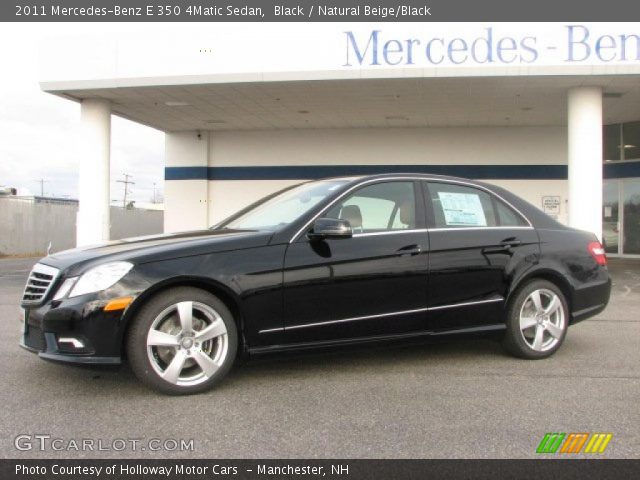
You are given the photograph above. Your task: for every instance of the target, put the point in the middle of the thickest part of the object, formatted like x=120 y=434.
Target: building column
x=93 y=187
x=585 y=158
x=186 y=187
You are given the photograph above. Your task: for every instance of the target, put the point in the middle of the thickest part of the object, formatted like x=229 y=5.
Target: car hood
x=156 y=247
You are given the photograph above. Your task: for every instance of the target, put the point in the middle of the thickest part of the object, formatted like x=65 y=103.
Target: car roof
x=420 y=176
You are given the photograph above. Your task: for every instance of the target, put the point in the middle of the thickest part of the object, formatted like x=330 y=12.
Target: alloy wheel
x=542 y=320
x=187 y=343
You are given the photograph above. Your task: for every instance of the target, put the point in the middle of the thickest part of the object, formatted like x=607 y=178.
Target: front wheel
x=183 y=341
x=537 y=320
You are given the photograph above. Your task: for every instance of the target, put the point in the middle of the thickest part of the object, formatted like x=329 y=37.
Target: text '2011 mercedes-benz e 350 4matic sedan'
x=329 y=262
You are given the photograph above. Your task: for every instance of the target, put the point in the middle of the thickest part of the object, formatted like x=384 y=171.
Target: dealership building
x=548 y=111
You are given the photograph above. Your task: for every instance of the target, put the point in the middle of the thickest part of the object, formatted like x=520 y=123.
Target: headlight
x=100 y=278
x=64 y=288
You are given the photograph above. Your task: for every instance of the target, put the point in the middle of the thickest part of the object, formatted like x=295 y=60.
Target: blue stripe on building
x=622 y=170
x=497 y=172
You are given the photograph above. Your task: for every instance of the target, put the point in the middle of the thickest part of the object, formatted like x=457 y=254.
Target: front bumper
x=52 y=353
x=74 y=331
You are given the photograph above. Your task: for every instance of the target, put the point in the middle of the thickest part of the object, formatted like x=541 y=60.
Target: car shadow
x=403 y=353
x=288 y=366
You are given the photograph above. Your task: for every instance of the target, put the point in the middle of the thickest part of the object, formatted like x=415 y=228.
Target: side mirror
x=330 y=228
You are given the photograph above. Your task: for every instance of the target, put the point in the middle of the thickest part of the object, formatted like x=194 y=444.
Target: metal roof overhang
x=306 y=100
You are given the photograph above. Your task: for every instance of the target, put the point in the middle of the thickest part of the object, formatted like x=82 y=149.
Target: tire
x=182 y=341
x=537 y=320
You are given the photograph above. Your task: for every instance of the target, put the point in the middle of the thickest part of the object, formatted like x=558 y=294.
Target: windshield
x=286 y=207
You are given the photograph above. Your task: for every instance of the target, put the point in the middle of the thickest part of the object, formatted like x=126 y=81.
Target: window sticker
x=462 y=209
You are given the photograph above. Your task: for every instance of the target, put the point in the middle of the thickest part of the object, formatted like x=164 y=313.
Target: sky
x=38 y=131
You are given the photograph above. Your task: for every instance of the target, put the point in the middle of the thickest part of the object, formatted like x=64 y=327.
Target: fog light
x=71 y=341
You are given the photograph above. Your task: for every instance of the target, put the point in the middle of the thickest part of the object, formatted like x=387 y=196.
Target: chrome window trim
x=381 y=315
x=442 y=229
x=391 y=232
x=462 y=229
x=297 y=235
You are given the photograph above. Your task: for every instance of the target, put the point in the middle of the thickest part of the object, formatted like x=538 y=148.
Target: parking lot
x=456 y=399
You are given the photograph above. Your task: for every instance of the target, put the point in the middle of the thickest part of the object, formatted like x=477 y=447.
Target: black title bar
x=543 y=468
x=316 y=10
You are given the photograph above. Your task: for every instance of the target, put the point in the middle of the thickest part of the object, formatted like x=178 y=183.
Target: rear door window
x=458 y=206
x=507 y=217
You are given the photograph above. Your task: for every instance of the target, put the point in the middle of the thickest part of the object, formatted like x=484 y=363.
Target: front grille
x=39 y=283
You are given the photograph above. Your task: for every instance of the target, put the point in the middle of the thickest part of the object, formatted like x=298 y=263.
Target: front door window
x=379 y=208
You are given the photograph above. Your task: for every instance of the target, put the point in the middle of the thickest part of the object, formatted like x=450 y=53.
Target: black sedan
x=329 y=262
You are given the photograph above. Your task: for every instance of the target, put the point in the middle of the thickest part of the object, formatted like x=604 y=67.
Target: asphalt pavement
x=462 y=398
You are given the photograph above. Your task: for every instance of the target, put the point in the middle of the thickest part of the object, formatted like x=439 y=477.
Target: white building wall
x=186 y=201
x=389 y=146
x=381 y=146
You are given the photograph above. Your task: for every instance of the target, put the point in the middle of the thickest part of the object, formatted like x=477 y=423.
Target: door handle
x=510 y=242
x=504 y=246
x=409 y=250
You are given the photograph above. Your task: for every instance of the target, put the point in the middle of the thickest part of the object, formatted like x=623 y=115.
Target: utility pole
x=126 y=182
x=42 y=181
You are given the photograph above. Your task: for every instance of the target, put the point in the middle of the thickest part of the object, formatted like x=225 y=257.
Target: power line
x=126 y=182
x=42 y=181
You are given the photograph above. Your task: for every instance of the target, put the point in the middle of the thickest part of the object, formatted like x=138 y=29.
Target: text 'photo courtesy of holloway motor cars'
x=324 y=263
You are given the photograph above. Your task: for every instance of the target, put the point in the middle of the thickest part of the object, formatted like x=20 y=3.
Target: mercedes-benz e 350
x=323 y=263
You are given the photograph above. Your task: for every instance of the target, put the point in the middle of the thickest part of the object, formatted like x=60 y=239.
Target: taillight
x=597 y=252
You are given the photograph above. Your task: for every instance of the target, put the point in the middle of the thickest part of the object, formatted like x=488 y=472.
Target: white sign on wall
x=551 y=206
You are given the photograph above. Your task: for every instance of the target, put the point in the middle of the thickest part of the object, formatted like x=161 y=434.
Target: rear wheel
x=182 y=341
x=537 y=320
